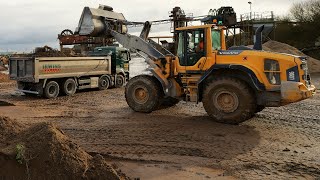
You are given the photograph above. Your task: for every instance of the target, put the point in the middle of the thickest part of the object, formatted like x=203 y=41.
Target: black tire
x=169 y=102
x=69 y=87
x=229 y=100
x=51 y=90
x=260 y=108
x=143 y=93
x=104 y=83
x=120 y=81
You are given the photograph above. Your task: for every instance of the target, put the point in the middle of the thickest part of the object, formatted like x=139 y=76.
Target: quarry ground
x=181 y=142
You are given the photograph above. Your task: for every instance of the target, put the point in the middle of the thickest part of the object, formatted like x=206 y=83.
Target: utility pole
x=250 y=3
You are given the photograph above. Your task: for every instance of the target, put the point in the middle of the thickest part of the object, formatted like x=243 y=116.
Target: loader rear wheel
x=228 y=100
x=143 y=94
x=51 y=90
x=69 y=87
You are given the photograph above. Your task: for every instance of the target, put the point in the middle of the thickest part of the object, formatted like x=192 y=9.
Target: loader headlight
x=272 y=71
x=304 y=67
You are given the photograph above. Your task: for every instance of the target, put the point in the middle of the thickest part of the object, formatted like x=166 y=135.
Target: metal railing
x=257 y=16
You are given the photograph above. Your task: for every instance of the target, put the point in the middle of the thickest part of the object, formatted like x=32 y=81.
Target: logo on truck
x=51 y=68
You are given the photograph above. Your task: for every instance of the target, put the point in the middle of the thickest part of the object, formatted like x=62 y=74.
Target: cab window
x=124 y=55
x=196 y=46
x=216 y=40
x=180 y=51
x=191 y=46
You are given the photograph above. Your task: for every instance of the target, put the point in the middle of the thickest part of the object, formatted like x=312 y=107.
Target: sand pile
x=4 y=77
x=2 y=68
x=4 y=60
x=44 y=152
x=8 y=129
x=274 y=46
x=47 y=51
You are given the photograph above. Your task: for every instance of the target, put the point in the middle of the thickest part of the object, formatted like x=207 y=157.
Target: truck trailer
x=51 y=76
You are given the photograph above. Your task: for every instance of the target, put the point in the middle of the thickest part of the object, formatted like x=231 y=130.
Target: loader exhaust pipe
x=258 y=38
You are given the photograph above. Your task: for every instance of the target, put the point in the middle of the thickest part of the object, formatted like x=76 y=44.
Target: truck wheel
x=120 y=80
x=104 y=83
x=69 y=87
x=51 y=90
x=143 y=93
x=228 y=100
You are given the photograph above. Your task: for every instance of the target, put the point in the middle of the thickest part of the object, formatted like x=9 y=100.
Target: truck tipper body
x=51 y=76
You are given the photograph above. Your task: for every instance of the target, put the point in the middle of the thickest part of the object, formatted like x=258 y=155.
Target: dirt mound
x=4 y=77
x=4 y=60
x=44 y=51
x=2 y=68
x=44 y=152
x=274 y=46
x=8 y=129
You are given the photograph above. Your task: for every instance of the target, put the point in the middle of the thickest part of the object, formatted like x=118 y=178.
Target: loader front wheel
x=228 y=100
x=143 y=94
x=51 y=90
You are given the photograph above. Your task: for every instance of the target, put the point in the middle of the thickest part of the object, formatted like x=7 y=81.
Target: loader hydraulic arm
x=153 y=50
x=136 y=43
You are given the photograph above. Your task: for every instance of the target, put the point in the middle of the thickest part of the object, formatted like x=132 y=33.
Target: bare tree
x=307 y=11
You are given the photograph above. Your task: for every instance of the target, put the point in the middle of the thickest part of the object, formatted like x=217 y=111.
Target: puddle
x=3 y=103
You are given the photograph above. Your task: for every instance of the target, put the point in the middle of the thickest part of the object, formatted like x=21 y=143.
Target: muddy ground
x=181 y=142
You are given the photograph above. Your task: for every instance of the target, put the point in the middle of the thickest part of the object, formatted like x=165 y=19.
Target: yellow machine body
x=249 y=62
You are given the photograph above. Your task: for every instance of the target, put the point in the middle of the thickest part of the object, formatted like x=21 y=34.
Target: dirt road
x=181 y=142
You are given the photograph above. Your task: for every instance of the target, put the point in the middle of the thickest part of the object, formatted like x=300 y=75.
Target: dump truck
x=233 y=84
x=49 y=76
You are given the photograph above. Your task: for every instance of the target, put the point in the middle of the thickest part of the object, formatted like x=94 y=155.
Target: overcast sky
x=32 y=23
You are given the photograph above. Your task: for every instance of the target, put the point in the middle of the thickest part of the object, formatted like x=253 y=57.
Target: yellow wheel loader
x=233 y=84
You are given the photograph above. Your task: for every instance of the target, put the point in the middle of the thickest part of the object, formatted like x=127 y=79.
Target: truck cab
x=120 y=58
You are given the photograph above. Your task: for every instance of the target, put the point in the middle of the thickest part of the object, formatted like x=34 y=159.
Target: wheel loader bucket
x=93 y=22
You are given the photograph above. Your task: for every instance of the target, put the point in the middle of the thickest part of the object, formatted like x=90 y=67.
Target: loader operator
x=201 y=45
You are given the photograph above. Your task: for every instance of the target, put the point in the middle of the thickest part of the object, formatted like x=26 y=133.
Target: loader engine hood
x=286 y=67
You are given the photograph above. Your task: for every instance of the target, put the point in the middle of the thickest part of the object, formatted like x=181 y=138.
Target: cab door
x=197 y=49
x=191 y=47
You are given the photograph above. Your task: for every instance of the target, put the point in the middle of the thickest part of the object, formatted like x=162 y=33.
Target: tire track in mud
x=279 y=143
x=170 y=136
x=289 y=146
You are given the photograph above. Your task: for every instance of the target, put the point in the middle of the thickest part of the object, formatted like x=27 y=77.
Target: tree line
x=300 y=28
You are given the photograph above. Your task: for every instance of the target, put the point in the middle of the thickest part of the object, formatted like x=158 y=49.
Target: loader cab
x=198 y=45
